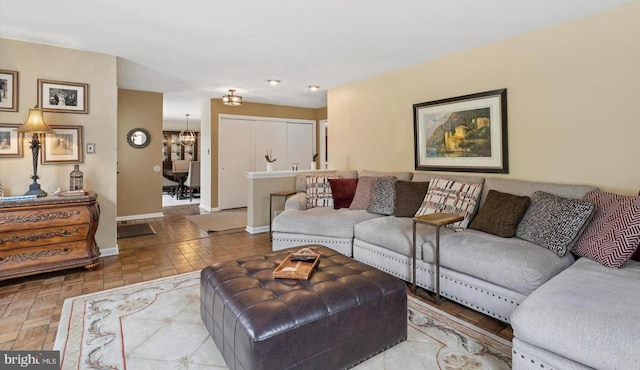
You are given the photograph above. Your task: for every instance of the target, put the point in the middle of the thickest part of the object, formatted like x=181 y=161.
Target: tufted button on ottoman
x=346 y=313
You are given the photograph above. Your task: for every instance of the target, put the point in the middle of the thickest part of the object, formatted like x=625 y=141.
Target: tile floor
x=30 y=307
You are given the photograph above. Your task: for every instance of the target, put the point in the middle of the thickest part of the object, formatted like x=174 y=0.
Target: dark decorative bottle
x=76 y=179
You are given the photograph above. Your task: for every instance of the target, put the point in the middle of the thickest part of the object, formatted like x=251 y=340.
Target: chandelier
x=187 y=137
x=233 y=100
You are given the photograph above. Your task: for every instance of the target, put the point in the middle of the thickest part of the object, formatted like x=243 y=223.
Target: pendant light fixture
x=231 y=99
x=187 y=137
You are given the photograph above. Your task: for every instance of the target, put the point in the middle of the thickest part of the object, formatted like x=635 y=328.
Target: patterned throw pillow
x=343 y=191
x=500 y=214
x=451 y=196
x=408 y=197
x=382 y=196
x=555 y=222
x=614 y=233
x=364 y=190
x=319 y=191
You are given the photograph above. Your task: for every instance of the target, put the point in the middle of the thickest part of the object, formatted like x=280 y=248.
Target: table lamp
x=36 y=125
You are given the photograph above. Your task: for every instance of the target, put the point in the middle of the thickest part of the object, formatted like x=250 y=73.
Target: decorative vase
x=270 y=166
x=313 y=166
x=76 y=179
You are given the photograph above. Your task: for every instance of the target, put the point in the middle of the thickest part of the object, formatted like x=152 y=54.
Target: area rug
x=132 y=230
x=220 y=221
x=156 y=325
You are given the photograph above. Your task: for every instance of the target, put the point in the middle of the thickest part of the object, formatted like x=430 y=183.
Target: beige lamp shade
x=35 y=123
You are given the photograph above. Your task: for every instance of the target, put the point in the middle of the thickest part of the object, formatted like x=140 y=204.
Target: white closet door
x=300 y=144
x=271 y=135
x=237 y=156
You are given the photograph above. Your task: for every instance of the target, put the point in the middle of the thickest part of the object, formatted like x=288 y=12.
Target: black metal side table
x=438 y=220
x=286 y=194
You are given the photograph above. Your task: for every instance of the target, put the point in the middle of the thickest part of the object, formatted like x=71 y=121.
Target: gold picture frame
x=63 y=147
x=63 y=97
x=8 y=91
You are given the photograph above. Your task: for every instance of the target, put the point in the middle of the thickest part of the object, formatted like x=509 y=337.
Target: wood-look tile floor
x=30 y=307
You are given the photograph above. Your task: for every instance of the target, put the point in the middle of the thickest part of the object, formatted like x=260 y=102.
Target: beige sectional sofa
x=491 y=274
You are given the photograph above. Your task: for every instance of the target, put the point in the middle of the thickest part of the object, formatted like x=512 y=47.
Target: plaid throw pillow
x=457 y=197
x=319 y=190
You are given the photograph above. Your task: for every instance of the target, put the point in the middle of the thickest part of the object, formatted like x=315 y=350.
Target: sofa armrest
x=298 y=201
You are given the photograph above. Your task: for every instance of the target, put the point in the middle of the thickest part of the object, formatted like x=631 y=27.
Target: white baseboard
x=257 y=230
x=106 y=252
x=139 y=217
x=207 y=208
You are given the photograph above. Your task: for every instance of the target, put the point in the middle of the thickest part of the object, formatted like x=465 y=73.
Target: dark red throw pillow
x=343 y=191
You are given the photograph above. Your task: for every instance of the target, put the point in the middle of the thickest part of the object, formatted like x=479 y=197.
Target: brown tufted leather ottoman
x=346 y=313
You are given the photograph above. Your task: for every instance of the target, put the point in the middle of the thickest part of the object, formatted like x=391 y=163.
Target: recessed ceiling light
x=273 y=82
x=314 y=87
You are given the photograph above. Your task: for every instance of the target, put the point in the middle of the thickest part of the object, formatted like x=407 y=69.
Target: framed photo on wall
x=8 y=91
x=11 y=142
x=65 y=146
x=463 y=134
x=63 y=97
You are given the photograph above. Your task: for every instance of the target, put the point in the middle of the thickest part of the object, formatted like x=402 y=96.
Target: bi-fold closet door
x=244 y=141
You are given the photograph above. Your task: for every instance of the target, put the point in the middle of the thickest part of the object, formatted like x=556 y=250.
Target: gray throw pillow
x=555 y=222
x=382 y=196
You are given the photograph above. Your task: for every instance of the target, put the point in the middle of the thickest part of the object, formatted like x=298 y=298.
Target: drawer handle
x=34 y=237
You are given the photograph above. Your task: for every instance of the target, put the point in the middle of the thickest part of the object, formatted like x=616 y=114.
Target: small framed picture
x=65 y=146
x=63 y=97
x=10 y=141
x=8 y=91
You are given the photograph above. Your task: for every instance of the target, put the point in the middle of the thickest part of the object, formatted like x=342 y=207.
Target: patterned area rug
x=156 y=325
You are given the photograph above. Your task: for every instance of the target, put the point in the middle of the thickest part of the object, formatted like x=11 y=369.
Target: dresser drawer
x=43 y=217
x=44 y=236
x=42 y=258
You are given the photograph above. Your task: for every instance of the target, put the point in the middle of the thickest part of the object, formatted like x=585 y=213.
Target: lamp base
x=34 y=189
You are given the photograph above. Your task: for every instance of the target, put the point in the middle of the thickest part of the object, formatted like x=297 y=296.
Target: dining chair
x=181 y=165
x=193 y=179
x=172 y=185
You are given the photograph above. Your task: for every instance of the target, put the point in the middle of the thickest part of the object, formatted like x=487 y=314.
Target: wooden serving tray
x=298 y=270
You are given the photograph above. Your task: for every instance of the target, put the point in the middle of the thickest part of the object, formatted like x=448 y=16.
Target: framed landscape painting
x=65 y=146
x=465 y=134
x=11 y=142
x=63 y=97
x=8 y=91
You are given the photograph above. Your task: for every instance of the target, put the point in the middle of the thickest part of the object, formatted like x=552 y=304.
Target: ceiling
x=198 y=49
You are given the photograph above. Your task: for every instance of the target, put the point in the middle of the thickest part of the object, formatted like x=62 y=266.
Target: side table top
x=438 y=218
x=283 y=192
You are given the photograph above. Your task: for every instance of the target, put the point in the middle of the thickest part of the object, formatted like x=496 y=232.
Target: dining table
x=180 y=177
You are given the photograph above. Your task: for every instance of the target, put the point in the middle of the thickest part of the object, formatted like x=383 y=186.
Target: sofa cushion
x=319 y=190
x=451 y=196
x=512 y=263
x=520 y=187
x=500 y=214
x=382 y=197
x=364 y=190
x=404 y=176
x=396 y=234
x=408 y=197
x=588 y=313
x=555 y=222
x=613 y=235
x=337 y=223
x=343 y=191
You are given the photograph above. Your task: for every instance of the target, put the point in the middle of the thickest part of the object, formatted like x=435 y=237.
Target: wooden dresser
x=48 y=234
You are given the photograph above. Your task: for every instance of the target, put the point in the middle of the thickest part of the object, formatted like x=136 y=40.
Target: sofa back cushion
x=451 y=196
x=500 y=214
x=426 y=176
x=408 y=197
x=343 y=191
x=520 y=187
x=613 y=235
x=404 y=176
x=555 y=222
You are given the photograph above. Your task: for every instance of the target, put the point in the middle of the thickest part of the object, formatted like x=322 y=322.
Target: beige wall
x=246 y=109
x=139 y=180
x=33 y=62
x=573 y=111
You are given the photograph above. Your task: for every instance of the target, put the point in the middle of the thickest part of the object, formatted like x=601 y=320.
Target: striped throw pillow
x=458 y=197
